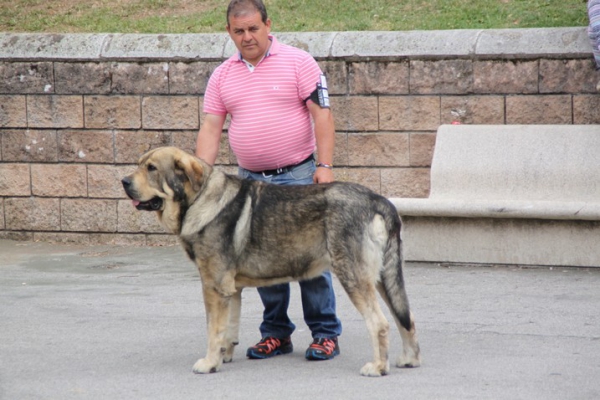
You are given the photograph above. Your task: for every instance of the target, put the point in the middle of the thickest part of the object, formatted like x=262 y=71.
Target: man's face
x=250 y=35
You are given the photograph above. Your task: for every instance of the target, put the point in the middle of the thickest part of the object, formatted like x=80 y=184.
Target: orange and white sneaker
x=323 y=349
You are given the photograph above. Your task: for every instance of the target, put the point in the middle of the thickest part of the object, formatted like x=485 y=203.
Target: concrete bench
x=509 y=194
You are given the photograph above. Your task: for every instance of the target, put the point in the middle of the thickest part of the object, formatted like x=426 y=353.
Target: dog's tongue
x=135 y=202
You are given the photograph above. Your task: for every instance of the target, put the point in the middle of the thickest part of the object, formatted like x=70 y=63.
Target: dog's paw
x=204 y=366
x=375 y=369
x=405 y=361
x=408 y=361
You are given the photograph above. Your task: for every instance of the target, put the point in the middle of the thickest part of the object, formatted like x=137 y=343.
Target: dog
x=243 y=233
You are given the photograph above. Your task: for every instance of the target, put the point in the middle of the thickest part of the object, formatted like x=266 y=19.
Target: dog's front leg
x=217 y=315
x=233 y=326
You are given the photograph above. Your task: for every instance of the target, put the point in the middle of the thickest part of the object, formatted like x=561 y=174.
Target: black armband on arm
x=320 y=95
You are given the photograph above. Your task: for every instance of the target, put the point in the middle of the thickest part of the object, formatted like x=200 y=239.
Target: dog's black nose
x=126 y=182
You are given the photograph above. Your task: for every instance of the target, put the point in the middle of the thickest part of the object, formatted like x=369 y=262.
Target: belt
x=283 y=170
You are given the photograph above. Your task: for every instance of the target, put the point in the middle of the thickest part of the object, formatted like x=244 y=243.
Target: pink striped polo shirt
x=270 y=123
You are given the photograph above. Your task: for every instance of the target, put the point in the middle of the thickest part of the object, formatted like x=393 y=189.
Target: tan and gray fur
x=243 y=233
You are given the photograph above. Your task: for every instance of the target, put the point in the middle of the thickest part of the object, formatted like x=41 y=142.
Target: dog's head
x=166 y=179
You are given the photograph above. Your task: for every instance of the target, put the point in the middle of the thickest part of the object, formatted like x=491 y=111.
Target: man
x=272 y=91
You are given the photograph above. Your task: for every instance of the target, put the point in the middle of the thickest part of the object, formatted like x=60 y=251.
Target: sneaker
x=269 y=347
x=323 y=349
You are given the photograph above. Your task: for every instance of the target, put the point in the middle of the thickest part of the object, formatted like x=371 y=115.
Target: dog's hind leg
x=233 y=326
x=364 y=298
x=410 y=345
x=411 y=355
x=217 y=315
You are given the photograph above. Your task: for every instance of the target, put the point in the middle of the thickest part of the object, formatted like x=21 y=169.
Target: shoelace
x=326 y=345
x=270 y=343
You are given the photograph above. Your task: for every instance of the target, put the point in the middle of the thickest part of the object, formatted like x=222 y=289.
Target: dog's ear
x=192 y=168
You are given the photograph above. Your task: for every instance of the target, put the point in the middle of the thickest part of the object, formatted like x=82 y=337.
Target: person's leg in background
x=318 y=297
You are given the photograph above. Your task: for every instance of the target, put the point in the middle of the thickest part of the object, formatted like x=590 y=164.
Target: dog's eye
x=151 y=167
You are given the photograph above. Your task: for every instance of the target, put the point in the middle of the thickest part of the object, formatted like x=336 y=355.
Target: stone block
x=13 y=111
x=405 y=182
x=340 y=150
x=82 y=77
x=62 y=237
x=317 y=44
x=15 y=180
x=170 y=112
x=443 y=77
x=382 y=149
x=112 y=112
x=132 y=220
x=29 y=145
x=548 y=109
x=585 y=109
x=379 y=77
x=53 y=46
x=17 y=236
x=93 y=146
x=186 y=140
x=59 y=180
x=337 y=76
x=162 y=240
x=32 y=214
x=190 y=78
x=416 y=43
x=422 y=145
x=140 y=78
x=358 y=113
x=131 y=145
x=510 y=77
x=368 y=177
x=104 y=181
x=86 y=215
x=473 y=109
x=116 y=239
x=142 y=46
x=26 y=77
x=409 y=113
x=568 y=76
x=54 y=111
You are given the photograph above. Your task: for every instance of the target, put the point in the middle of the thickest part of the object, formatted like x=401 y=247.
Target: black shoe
x=323 y=349
x=269 y=347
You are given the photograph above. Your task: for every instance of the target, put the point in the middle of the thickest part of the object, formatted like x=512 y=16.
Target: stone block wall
x=76 y=111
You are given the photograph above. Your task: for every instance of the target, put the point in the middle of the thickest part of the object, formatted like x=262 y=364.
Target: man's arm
x=209 y=137
x=325 y=137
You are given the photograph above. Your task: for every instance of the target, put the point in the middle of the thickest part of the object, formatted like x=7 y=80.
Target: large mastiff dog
x=245 y=233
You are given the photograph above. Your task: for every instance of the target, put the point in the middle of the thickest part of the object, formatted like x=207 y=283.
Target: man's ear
x=192 y=168
x=268 y=24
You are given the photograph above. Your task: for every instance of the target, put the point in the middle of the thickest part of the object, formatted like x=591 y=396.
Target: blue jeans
x=318 y=298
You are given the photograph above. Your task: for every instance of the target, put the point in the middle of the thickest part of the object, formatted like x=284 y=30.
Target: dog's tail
x=391 y=280
x=391 y=285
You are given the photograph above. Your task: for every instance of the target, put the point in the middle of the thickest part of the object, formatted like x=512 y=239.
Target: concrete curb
x=530 y=43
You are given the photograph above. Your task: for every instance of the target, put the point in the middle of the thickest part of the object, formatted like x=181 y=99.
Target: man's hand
x=323 y=175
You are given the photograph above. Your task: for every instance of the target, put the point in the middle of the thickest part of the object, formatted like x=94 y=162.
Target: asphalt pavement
x=109 y=322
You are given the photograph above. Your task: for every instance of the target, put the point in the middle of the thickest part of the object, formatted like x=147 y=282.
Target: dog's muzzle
x=154 y=204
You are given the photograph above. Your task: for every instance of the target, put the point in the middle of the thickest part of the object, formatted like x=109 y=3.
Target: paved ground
x=128 y=323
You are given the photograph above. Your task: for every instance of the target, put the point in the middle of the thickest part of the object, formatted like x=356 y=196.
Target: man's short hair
x=237 y=8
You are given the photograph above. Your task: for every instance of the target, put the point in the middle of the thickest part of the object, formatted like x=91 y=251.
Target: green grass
x=192 y=16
